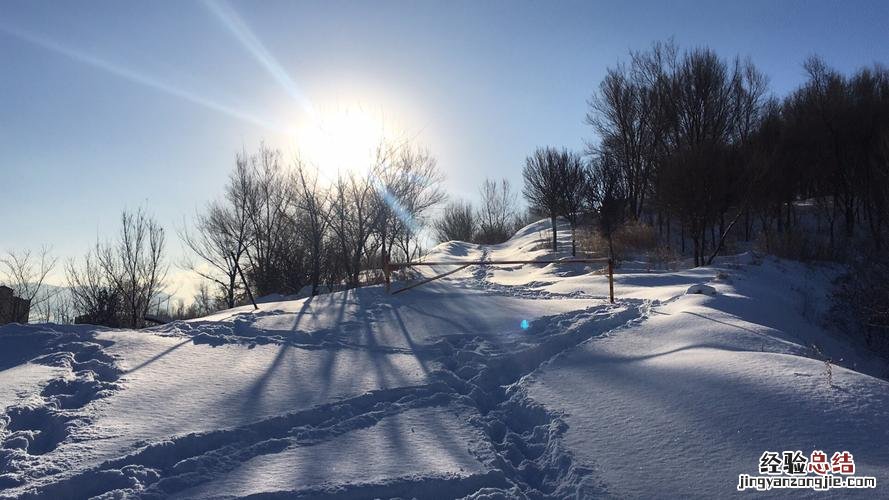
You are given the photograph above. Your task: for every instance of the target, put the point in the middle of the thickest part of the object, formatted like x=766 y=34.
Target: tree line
x=496 y=218
x=687 y=142
x=278 y=228
x=693 y=142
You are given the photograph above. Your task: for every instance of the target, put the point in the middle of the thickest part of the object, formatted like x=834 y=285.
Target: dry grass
x=635 y=237
x=590 y=241
x=663 y=257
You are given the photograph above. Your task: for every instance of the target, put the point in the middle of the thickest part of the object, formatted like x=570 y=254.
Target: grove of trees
x=291 y=232
x=690 y=141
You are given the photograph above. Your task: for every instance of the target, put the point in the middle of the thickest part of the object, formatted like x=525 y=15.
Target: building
x=13 y=309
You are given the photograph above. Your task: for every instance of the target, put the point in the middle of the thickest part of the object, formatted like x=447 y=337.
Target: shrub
x=864 y=292
x=635 y=237
x=663 y=257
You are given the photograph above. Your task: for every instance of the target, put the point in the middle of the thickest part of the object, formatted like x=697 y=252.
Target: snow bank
x=700 y=289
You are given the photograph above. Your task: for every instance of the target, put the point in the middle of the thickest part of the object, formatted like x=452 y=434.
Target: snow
x=496 y=381
x=434 y=441
x=695 y=391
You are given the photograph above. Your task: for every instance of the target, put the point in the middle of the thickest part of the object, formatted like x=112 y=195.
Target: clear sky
x=113 y=104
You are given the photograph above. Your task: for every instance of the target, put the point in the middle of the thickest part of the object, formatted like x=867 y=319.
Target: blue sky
x=106 y=105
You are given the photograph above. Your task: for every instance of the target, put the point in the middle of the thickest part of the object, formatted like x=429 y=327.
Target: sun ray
x=233 y=22
x=136 y=77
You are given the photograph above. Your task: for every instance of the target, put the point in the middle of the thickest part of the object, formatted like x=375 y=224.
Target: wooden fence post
x=611 y=280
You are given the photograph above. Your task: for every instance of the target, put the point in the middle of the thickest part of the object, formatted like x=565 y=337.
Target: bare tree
x=497 y=211
x=25 y=272
x=421 y=192
x=223 y=234
x=134 y=264
x=203 y=302
x=269 y=198
x=63 y=308
x=608 y=196
x=544 y=185
x=352 y=216
x=623 y=114
x=94 y=298
x=457 y=222
x=312 y=208
x=408 y=185
x=574 y=191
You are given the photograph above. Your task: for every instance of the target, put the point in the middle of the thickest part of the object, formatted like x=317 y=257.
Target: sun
x=344 y=140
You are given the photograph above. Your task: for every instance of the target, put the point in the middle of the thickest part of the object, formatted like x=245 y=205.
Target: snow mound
x=700 y=288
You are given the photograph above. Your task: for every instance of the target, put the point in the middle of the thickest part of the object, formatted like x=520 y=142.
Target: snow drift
x=497 y=381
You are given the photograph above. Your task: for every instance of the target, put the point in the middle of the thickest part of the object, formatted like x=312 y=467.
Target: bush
x=591 y=241
x=663 y=257
x=632 y=238
x=864 y=292
x=458 y=222
x=635 y=237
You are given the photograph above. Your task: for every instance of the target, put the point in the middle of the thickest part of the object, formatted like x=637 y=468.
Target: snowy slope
x=495 y=381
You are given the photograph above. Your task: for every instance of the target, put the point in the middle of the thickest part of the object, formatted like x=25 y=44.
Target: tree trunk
x=573 y=241
x=682 y=237
x=230 y=299
x=703 y=242
x=555 y=241
x=669 y=241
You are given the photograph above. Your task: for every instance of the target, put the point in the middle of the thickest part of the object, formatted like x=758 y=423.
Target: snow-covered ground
x=497 y=381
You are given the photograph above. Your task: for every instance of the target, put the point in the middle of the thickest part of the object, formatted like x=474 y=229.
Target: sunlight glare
x=340 y=141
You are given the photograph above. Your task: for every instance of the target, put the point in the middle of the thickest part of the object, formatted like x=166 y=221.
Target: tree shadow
x=157 y=357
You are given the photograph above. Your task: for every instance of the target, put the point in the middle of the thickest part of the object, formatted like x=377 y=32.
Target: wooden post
x=611 y=280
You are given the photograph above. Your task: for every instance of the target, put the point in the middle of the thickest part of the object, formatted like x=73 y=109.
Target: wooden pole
x=398 y=265
x=244 y=281
x=388 y=267
x=427 y=280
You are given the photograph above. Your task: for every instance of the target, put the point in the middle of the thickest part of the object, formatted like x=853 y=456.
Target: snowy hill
x=497 y=381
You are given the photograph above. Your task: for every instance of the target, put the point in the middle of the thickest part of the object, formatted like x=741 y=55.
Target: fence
x=389 y=267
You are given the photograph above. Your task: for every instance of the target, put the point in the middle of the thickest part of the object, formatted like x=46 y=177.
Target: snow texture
x=517 y=381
